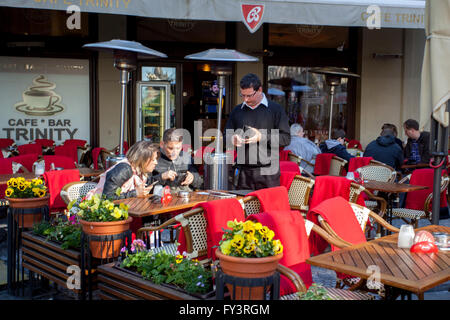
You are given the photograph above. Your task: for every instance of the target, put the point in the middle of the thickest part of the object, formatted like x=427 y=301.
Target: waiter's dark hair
x=411 y=124
x=250 y=80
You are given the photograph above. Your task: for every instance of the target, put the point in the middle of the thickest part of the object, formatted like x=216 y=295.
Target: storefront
x=331 y=33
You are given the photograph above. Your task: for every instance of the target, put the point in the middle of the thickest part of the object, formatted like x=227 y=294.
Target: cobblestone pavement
x=322 y=276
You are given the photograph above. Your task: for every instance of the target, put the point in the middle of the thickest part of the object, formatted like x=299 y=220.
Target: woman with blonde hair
x=129 y=174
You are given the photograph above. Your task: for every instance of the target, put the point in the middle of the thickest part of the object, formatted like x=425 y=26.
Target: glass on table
x=406 y=236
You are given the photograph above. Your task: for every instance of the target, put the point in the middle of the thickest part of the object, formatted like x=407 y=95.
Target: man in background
x=385 y=149
x=417 y=149
x=301 y=146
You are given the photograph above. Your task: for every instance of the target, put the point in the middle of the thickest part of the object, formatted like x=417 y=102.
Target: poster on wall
x=44 y=98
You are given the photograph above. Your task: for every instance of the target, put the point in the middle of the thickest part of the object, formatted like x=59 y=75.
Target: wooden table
x=84 y=172
x=398 y=267
x=142 y=207
x=391 y=187
x=390 y=191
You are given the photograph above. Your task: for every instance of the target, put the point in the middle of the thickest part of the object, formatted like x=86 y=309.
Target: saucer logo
x=252 y=16
x=39 y=99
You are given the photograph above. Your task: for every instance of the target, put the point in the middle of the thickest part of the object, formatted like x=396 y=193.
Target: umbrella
x=301 y=88
x=435 y=88
x=275 y=92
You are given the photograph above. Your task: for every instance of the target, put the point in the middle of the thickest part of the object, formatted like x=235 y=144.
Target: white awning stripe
x=394 y=13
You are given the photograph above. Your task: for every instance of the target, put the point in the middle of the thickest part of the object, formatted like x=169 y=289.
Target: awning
x=392 y=13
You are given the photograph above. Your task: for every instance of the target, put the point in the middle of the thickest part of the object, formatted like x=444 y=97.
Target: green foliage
x=315 y=292
x=67 y=233
x=99 y=209
x=164 y=268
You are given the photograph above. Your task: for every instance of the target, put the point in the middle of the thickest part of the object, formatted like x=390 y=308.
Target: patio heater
x=125 y=59
x=333 y=78
x=216 y=169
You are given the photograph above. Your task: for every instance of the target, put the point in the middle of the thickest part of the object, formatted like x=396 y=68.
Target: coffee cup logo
x=39 y=99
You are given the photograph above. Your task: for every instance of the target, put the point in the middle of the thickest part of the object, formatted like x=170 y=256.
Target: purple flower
x=124 y=249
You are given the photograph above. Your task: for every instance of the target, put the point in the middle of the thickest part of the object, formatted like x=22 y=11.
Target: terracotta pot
x=29 y=219
x=248 y=268
x=103 y=250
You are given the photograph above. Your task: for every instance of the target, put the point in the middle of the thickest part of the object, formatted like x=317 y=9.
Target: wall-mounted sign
x=44 y=99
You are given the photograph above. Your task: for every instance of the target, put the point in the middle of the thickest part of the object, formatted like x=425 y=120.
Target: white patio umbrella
x=435 y=88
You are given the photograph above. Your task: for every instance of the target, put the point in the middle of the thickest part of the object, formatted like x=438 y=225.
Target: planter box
x=116 y=283
x=49 y=260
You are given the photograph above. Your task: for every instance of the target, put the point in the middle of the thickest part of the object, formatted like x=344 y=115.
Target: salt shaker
x=406 y=236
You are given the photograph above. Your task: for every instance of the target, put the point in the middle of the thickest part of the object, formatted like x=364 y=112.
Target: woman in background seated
x=129 y=174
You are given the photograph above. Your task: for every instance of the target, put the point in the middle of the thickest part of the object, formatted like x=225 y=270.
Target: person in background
x=175 y=168
x=393 y=127
x=336 y=145
x=385 y=149
x=129 y=174
x=301 y=146
x=417 y=149
x=256 y=113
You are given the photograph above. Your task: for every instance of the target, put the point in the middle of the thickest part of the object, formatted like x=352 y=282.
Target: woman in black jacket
x=128 y=177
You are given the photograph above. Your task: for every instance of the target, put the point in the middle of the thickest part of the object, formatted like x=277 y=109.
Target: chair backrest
x=27 y=160
x=29 y=148
x=69 y=150
x=422 y=199
x=45 y=142
x=304 y=164
x=76 y=142
x=59 y=161
x=299 y=193
x=4 y=143
x=377 y=172
x=337 y=165
x=6 y=166
x=76 y=190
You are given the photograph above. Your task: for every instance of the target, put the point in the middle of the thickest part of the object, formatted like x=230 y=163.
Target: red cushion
x=29 y=148
x=55 y=181
x=26 y=160
x=323 y=162
x=415 y=200
x=275 y=198
x=59 y=162
x=70 y=150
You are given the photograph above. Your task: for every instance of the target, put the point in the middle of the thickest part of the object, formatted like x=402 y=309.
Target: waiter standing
x=251 y=125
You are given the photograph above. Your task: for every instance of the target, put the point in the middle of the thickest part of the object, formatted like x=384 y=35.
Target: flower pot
x=102 y=249
x=248 y=268
x=29 y=218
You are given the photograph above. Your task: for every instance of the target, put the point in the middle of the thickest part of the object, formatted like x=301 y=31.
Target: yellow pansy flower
x=116 y=213
x=277 y=247
x=238 y=241
x=225 y=247
x=250 y=248
x=248 y=227
x=9 y=192
x=179 y=258
x=21 y=186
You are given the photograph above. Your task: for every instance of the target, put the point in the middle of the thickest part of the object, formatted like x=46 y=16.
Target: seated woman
x=129 y=174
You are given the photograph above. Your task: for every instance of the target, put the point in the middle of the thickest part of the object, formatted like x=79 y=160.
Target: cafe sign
x=44 y=99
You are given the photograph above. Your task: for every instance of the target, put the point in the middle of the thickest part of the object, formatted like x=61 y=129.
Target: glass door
x=154 y=112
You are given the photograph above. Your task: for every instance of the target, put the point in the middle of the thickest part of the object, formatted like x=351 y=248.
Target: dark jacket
x=115 y=178
x=424 y=147
x=268 y=117
x=334 y=146
x=385 y=149
x=180 y=165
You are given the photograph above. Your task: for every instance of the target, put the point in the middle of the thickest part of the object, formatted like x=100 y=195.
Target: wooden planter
x=49 y=260
x=29 y=219
x=116 y=283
